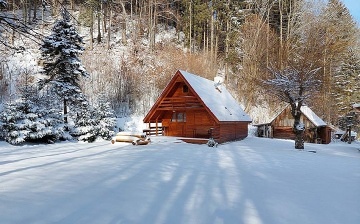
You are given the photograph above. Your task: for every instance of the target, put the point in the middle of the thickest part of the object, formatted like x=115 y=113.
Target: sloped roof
x=317 y=121
x=220 y=103
x=307 y=112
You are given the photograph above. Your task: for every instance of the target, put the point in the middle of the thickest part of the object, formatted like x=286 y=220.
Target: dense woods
x=133 y=47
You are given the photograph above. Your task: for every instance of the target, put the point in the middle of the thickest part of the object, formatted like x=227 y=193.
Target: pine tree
x=62 y=67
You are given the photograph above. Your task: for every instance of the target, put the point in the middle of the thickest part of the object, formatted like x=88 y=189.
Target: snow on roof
x=317 y=121
x=341 y=132
x=219 y=101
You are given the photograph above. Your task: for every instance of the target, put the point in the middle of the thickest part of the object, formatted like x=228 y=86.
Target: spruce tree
x=346 y=85
x=106 y=119
x=30 y=119
x=91 y=122
x=85 y=124
x=62 y=67
x=339 y=35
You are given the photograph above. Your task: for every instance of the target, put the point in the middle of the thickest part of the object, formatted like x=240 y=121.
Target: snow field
x=251 y=182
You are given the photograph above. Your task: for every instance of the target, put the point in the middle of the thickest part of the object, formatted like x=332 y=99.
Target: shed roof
x=317 y=121
x=307 y=112
x=219 y=101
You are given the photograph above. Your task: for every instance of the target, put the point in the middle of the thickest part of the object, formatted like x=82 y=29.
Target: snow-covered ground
x=251 y=181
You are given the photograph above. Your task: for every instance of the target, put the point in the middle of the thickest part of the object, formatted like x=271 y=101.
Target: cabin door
x=177 y=124
x=176 y=129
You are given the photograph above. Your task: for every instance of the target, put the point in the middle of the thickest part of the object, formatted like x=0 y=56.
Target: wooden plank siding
x=197 y=125
x=179 y=98
x=229 y=131
x=282 y=128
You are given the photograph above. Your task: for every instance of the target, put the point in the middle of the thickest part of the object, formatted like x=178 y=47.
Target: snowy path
x=252 y=181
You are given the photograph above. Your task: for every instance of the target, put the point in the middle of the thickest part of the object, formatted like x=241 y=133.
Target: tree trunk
x=190 y=28
x=98 y=26
x=123 y=25
x=24 y=11
x=104 y=9
x=227 y=47
x=281 y=35
x=212 y=22
x=35 y=10
x=109 y=29
x=65 y=111
x=91 y=28
x=299 y=139
x=298 y=127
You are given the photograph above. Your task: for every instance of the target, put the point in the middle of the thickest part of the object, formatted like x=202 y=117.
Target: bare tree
x=11 y=23
x=294 y=86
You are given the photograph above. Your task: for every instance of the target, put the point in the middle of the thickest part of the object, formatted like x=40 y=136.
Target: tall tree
x=339 y=34
x=62 y=67
x=294 y=86
x=346 y=85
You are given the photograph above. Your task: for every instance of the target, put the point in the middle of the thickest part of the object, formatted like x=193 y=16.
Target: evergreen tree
x=106 y=119
x=30 y=119
x=346 y=85
x=62 y=67
x=92 y=122
x=339 y=35
x=85 y=124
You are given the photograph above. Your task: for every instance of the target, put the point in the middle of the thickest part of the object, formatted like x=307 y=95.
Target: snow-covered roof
x=219 y=101
x=341 y=132
x=307 y=112
x=317 y=121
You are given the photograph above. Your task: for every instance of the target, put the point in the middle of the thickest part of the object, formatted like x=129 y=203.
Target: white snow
x=254 y=181
x=220 y=102
x=317 y=121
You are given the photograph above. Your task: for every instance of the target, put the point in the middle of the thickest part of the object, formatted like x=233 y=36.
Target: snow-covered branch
x=291 y=85
x=294 y=87
x=10 y=23
x=3 y=3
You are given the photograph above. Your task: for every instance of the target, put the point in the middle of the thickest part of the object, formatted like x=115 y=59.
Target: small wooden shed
x=194 y=107
x=316 y=130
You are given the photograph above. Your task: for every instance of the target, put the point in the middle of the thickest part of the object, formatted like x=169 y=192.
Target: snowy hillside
x=252 y=181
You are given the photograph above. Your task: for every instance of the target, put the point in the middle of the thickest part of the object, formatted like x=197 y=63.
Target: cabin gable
x=181 y=111
x=316 y=130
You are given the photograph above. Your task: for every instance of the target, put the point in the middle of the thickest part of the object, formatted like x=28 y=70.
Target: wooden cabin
x=316 y=130
x=194 y=107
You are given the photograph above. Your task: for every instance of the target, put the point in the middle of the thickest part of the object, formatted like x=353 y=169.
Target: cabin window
x=185 y=89
x=178 y=117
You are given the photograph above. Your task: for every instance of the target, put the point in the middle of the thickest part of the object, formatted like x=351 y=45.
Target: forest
x=127 y=51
